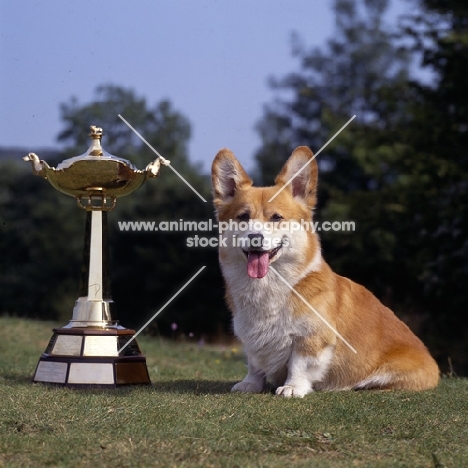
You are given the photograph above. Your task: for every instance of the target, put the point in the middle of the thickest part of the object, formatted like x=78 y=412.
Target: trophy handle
x=153 y=168
x=39 y=166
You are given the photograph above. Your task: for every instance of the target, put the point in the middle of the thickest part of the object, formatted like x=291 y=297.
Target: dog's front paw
x=288 y=391
x=247 y=387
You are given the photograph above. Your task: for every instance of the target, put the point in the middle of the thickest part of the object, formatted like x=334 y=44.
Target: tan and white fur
x=356 y=343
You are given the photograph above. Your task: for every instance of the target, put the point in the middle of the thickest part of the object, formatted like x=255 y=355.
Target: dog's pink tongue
x=257 y=264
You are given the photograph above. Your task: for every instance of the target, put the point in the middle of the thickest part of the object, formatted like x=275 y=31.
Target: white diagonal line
x=169 y=165
x=162 y=308
x=310 y=160
x=302 y=298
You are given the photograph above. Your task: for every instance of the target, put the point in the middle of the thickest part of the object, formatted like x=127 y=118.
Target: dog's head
x=264 y=225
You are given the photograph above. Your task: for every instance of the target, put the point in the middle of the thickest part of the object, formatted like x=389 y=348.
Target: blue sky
x=210 y=58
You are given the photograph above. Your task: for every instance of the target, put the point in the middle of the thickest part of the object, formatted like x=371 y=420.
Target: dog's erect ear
x=228 y=176
x=304 y=185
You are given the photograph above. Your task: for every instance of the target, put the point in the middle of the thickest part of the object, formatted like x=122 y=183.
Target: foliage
x=188 y=417
x=164 y=128
x=359 y=64
x=42 y=229
x=438 y=162
x=399 y=170
x=40 y=246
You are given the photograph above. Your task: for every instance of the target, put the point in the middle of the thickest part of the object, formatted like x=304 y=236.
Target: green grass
x=189 y=418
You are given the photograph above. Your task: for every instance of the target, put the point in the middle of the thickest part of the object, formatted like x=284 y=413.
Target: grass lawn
x=188 y=418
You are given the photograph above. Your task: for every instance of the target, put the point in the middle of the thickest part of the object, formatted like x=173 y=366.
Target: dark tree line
x=400 y=170
x=42 y=229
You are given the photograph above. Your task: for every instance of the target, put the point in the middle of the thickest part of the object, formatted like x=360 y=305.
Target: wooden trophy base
x=89 y=357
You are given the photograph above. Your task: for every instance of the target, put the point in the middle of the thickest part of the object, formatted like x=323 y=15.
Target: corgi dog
x=303 y=327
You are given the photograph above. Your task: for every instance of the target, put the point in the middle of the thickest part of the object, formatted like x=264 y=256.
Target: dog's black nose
x=256 y=240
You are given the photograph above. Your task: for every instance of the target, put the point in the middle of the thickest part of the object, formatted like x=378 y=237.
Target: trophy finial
x=96 y=135
x=96 y=132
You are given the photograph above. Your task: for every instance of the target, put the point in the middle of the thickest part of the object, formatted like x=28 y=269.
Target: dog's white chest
x=263 y=320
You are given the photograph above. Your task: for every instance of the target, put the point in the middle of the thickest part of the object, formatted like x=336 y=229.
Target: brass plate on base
x=51 y=371
x=91 y=373
x=100 y=346
x=67 y=345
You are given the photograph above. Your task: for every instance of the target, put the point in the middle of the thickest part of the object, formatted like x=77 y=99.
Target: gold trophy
x=86 y=351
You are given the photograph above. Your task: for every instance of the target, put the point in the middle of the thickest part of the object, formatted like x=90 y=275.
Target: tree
x=400 y=169
x=164 y=128
x=43 y=229
x=40 y=248
x=437 y=136
x=361 y=71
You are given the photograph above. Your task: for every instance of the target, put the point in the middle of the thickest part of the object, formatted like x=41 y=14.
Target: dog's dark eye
x=243 y=216
x=276 y=217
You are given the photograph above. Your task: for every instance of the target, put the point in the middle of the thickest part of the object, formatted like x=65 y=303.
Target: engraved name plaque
x=67 y=345
x=49 y=371
x=91 y=373
x=100 y=346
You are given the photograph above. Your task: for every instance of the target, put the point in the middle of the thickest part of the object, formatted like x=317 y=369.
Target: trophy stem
x=95 y=283
x=95 y=250
x=94 y=304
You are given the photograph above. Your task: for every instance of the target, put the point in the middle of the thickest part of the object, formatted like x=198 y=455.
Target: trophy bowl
x=95 y=172
x=86 y=351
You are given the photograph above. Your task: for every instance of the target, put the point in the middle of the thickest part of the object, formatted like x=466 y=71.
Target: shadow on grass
x=195 y=387
x=17 y=379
